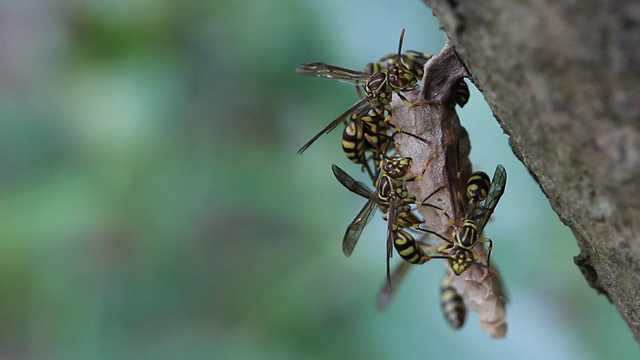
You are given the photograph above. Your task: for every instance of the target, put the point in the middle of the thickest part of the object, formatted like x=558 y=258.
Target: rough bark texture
x=563 y=80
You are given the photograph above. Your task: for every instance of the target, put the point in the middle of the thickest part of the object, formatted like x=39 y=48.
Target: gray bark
x=563 y=80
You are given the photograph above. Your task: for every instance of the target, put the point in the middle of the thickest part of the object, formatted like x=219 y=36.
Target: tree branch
x=563 y=80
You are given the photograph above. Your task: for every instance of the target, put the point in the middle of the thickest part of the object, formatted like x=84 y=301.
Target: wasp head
x=461 y=259
x=397 y=167
x=400 y=77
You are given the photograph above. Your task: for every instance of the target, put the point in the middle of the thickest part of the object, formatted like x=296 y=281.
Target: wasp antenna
x=400 y=44
x=375 y=146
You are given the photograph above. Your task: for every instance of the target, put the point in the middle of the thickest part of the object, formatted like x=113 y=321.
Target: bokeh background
x=153 y=206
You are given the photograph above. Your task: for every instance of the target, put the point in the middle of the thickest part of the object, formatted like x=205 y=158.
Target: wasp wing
x=328 y=71
x=354 y=230
x=452 y=173
x=498 y=184
x=392 y=218
x=350 y=183
x=386 y=293
x=332 y=125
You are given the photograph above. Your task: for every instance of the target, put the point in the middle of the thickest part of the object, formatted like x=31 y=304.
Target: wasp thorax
x=385 y=187
x=376 y=82
x=461 y=259
x=397 y=167
x=400 y=78
x=467 y=235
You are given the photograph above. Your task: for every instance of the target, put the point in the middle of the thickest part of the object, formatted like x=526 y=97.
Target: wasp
x=477 y=189
x=415 y=61
x=361 y=142
x=393 y=198
x=354 y=144
x=378 y=87
x=451 y=303
x=402 y=213
x=468 y=225
x=412 y=60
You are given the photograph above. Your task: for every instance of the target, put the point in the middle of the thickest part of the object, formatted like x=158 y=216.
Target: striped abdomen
x=478 y=186
x=451 y=303
x=408 y=248
x=353 y=142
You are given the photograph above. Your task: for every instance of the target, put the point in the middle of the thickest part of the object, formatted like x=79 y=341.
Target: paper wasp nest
x=437 y=123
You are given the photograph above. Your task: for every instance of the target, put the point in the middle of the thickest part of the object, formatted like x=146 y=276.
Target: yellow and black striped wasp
x=371 y=120
x=412 y=60
x=394 y=200
x=477 y=189
x=378 y=87
x=451 y=303
x=353 y=142
x=415 y=61
x=355 y=145
x=403 y=217
x=469 y=219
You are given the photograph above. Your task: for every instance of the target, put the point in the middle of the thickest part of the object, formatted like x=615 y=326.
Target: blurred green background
x=153 y=205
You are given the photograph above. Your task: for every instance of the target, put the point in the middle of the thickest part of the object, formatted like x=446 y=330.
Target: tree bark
x=563 y=80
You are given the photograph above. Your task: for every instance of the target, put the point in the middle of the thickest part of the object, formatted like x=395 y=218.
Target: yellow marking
x=348 y=145
x=406 y=252
x=450 y=306
x=401 y=240
x=414 y=260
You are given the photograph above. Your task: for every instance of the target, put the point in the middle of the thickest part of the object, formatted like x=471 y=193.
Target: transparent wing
x=332 y=125
x=345 y=75
x=392 y=218
x=352 y=235
x=350 y=183
x=455 y=182
x=498 y=184
x=417 y=56
x=386 y=293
